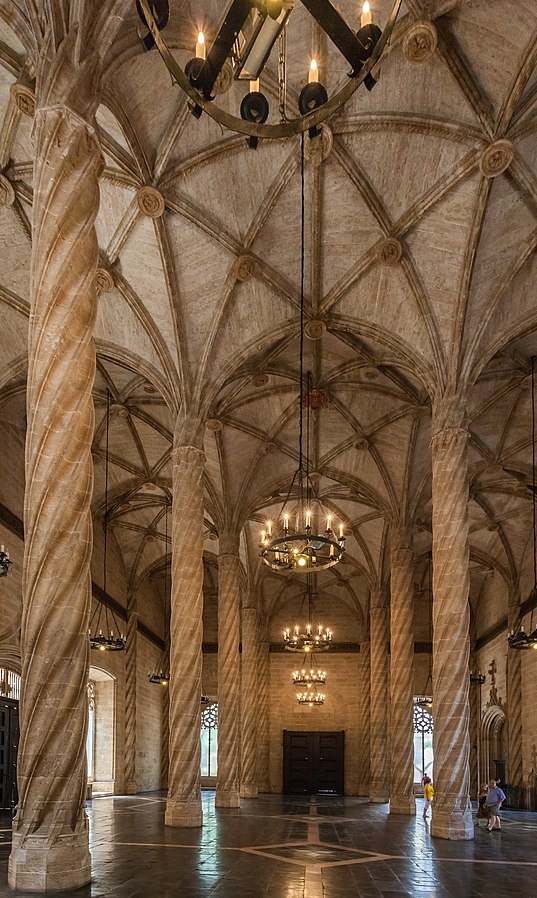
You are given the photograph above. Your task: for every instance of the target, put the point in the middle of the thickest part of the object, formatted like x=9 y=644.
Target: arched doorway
x=493 y=733
x=101 y=738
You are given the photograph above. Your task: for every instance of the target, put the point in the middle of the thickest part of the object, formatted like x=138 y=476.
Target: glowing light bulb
x=201 y=49
x=301 y=561
x=313 y=74
x=366 y=18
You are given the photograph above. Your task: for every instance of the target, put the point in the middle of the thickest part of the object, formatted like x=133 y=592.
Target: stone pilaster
x=229 y=580
x=378 y=616
x=402 y=799
x=364 y=711
x=183 y=806
x=263 y=666
x=131 y=659
x=249 y=705
x=514 y=707
x=452 y=816
x=50 y=836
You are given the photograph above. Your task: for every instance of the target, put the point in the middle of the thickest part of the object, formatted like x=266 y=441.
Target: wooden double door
x=9 y=744
x=313 y=762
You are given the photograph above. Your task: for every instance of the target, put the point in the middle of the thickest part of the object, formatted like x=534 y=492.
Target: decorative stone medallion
x=244 y=268
x=119 y=410
x=213 y=424
x=260 y=380
x=269 y=448
x=318 y=148
x=315 y=329
x=24 y=98
x=361 y=444
x=104 y=281
x=370 y=372
x=7 y=194
x=390 y=251
x=150 y=201
x=420 y=42
x=496 y=158
x=224 y=80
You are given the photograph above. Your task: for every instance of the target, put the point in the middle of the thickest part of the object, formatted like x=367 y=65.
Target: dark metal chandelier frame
x=518 y=638
x=312 y=638
x=362 y=50
x=309 y=677
x=104 y=631
x=5 y=562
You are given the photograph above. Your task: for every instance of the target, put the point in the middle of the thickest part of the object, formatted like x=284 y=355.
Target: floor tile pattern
x=282 y=847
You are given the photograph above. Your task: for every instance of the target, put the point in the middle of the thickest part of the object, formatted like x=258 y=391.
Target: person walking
x=428 y=792
x=493 y=802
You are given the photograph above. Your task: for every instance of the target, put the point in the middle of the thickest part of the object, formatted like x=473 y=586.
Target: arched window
x=209 y=739
x=423 y=743
x=10 y=683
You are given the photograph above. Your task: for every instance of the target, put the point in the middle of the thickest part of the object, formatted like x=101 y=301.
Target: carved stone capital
x=390 y=251
x=150 y=201
x=7 y=194
x=420 y=42
x=496 y=158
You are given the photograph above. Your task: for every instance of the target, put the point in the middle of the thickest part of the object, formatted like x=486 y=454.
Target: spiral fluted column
x=263 y=750
x=475 y=690
x=452 y=816
x=378 y=617
x=364 y=712
x=183 y=806
x=402 y=799
x=131 y=661
x=514 y=708
x=50 y=836
x=165 y=738
x=229 y=585
x=249 y=693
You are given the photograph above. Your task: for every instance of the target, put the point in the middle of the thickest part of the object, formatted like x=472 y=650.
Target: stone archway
x=102 y=732
x=493 y=744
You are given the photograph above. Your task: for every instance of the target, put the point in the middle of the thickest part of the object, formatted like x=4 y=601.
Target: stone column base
x=36 y=865
x=130 y=787
x=249 y=790
x=183 y=813
x=264 y=787
x=455 y=825
x=403 y=804
x=379 y=797
x=227 y=799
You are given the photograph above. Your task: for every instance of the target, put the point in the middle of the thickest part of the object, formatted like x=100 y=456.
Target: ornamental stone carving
x=496 y=158
x=370 y=372
x=315 y=329
x=260 y=380
x=244 y=268
x=119 y=410
x=420 y=42
x=224 y=80
x=318 y=148
x=104 y=281
x=213 y=424
x=24 y=98
x=391 y=251
x=7 y=194
x=362 y=444
x=150 y=201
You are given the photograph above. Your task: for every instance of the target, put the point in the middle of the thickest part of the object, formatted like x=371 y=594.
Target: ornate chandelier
x=5 y=562
x=309 y=677
x=104 y=630
x=303 y=538
x=241 y=47
x=518 y=638
x=311 y=638
x=310 y=698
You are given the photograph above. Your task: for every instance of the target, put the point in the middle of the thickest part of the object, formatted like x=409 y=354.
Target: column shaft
x=229 y=572
x=131 y=661
x=50 y=836
x=379 y=792
x=249 y=693
x=452 y=815
x=514 y=709
x=263 y=665
x=364 y=710
x=402 y=799
x=183 y=807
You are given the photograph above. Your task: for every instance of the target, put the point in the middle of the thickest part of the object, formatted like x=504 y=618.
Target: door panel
x=9 y=743
x=313 y=762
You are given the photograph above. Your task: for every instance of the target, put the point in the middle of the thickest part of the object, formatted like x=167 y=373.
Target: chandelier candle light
x=310 y=639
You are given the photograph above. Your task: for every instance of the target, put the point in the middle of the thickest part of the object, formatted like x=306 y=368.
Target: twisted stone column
x=249 y=693
x=514 y=708
x=402 y=799
x=165 y=739
x=452 y=816
x=229 y=572
x=378 y=791
x=263 y=749
x=50 y=836
x=131 y=660
x=474 y=738
x=183 y=807
x=364 y=711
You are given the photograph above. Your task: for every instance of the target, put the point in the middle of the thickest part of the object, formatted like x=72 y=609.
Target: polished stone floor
x=280 y=847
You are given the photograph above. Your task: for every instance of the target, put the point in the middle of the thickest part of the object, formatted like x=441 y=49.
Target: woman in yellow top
x=428 y=792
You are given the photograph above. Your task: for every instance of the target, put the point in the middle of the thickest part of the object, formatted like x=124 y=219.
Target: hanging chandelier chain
x=302 y=277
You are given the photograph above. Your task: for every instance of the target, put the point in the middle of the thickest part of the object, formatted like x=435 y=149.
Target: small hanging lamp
x=104 y=631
